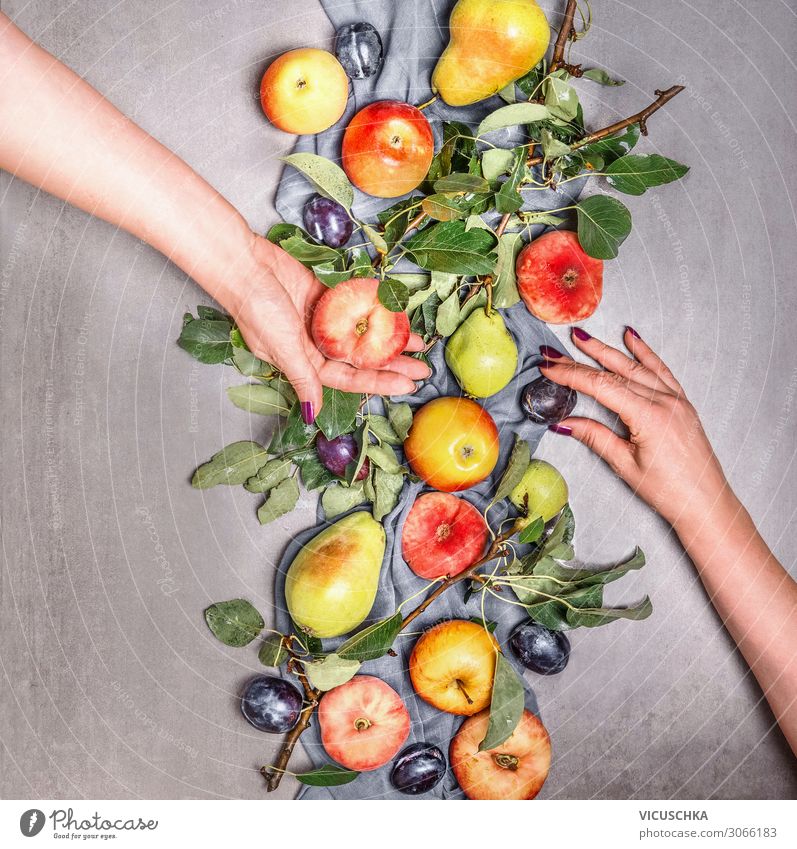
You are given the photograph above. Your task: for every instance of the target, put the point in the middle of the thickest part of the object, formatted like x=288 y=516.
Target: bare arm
x=669 y=462
x=60 y=134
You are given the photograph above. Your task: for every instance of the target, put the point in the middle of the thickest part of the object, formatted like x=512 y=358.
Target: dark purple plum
x=335 y=454
x=546 y=402
x=540 y=649
x=359 y=49
x=327 y=221
x=271 y=704
x=418 y=769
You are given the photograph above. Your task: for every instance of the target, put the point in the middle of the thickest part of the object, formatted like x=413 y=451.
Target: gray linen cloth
x=414 y=33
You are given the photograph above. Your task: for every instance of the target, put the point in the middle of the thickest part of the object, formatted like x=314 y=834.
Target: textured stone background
x=112 y=686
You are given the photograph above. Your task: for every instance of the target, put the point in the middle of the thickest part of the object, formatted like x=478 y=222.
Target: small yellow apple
x=304 y=91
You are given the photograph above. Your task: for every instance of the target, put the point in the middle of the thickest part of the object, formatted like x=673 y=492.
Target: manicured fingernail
x=550 y=353
x=563 y=429
x=581 y=334
x=633 y=332
x=308 y=414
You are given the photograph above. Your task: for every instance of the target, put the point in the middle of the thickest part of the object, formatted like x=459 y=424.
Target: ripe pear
x=482 y=354
x=493 y=43
x=331 y=585
x=541 y=493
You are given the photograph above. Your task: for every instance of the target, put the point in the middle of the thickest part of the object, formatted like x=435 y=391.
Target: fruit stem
x=506 y=761
x=361 y=723
x=461 y=686
x=426 y=103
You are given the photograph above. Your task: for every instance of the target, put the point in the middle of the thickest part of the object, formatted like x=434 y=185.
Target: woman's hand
x=272 y=304
x=666 y=457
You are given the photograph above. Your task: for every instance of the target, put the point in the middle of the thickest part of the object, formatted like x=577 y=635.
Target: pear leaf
x=235 y=622
x=506 y=704
x=328 y=775
x=338 y=498
x=268 y=476
x=330 y=179
x=374 y=641
x=400 y=417
x=512 y=116
x=233 y=465
x=330 y=671
x=603 y=224
x=515 y=469
x=272 y=650
x=256 y=398
x=281 y=500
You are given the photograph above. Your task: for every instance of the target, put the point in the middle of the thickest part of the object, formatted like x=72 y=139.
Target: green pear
x=541 y=493
x=331 y=585
x=482 y=354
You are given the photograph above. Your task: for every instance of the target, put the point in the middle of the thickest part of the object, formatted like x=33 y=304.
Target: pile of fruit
x=442 y=261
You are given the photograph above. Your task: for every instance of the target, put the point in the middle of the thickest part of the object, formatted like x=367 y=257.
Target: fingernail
x=581 y=334
x=563 y=429
x=550 y=353
x=633 y=332
x=308 y=414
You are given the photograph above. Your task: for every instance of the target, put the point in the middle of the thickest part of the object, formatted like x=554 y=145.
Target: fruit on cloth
x=541 y=493
x=516 y=769
x=304 y=91
x=482 y=354
x=387 y=148
x=546 y=402
x=442 y=535
x=493 y=42
x=363 y=723
x=351 y=325
x=452 y=666
x=558 y=281
x=271 y=704
x=452 y=444
x=331 y=584
x=327 y=221
x=359 y=49
x=540 y=649
x=418 y=769
x=335 y=454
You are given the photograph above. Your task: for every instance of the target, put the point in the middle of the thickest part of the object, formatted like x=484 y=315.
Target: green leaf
x=293 y=433
x=633 y=174
x=400 y=418
x=533 y=531
x=512 y=116
x=563 y=531
x=281 y=500
x=381 y=428
x=235 y=622
x=375 y=238
x=328 y=274
x=268 y=476
x=257 y=398
x=330 y=671
x=310 y=253
x=327 y=776
x=506 y=704
x=444 y=284
x=396 y=218
x=508 y=197
x=560 y=98
x=462 y=183
x=314 y=473
x=328 y=178
x=338 y=413
x=598 y=75
x=384 y=458
x=393 y=294
x=447 y=319
x=613 y=147
x=374 y=641
x=249 y=365
x=339 y=498
x=495 y=162
x=505 y=292
x=445 y=208
x=596 y=616
x=212 y=314
x=272 y=650
x=362 y=441
x=448 y=246
x=552 y=148
x=282 y=230
x=603 y=225
x=233 y=465
x=207 y=340
x=516 y=467
x=387 y=487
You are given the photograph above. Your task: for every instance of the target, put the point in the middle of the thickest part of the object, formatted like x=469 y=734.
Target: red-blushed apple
x=558 y=281
x=304 y=91
x=442 y=535
x=516 y=769
x=351 y=325
x=452 y=444
x=387 y=148
x=452 y=666
x=363 y=723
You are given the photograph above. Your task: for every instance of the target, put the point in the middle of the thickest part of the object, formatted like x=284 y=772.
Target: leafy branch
x=567 y=32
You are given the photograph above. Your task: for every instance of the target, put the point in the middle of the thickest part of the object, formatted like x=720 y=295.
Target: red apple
x=363 y=723
x=387 y=148
x=351 y=325
x=516 y=769
x=558 y=281
x=442 y=535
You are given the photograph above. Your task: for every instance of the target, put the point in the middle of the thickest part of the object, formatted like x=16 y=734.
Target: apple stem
x=507 y=761
x=361 y=723
x=464 y=691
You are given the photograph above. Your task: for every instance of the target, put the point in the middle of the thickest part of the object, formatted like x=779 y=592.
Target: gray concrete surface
x=112 y=686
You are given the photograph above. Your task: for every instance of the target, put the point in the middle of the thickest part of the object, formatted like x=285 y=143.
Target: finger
x=614 y=360
x=372 y=381
x=646 y=355
x=415 y=343
x=411 y=367
x=306 y=381
x=602 y=441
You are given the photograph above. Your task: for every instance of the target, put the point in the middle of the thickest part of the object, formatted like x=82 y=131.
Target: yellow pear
x=482 y=354
x=493 y=43
x=331 y=585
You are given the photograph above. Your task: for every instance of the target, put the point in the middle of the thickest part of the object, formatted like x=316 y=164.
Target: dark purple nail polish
x=550 y=353
x=563 y=429
x=308 y=414
x=633 y=332
x=581 y=334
